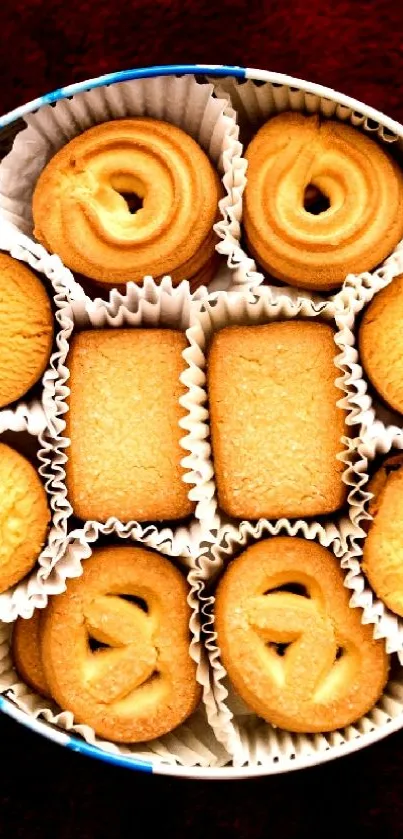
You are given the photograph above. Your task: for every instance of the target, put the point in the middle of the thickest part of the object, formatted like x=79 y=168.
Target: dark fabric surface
x=355 y=47
x=48 y=792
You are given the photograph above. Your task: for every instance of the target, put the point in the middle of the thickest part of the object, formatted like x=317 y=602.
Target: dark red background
x=355 y=47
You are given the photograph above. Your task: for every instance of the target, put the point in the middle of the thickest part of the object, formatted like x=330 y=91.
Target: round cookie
x=322 y=200
x=293 y=649
x=24 y=516
x=381 y=343
x=140 y=683
x=27 y=653
x=131 y=197
x=383 y=547
x=26 y=329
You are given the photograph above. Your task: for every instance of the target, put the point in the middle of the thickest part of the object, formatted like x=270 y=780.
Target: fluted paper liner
x=192 y=743
x=378 y=441
x=146 y=306
x=380 y=430
x=255 y=103
x=208 y=117
x=249 y=739
x=359 y=292
x=264 y=305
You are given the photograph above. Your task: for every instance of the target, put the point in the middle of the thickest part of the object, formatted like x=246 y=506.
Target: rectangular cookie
x=275 y=427
x=123 y=423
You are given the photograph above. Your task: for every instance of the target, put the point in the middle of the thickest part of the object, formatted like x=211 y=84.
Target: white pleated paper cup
x=250 y=740
x=191 y=744
x=264 y=305
x=22 y=415
x=376 y=442
x=147 y=306
x=369 y=410
x=204 y=114
x=257 y=100
x=23 y=425
x=22 y=598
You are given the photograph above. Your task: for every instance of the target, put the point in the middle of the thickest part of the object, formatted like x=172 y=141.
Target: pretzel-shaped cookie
x=27 y=652
x=294 y=650
x=143 y=684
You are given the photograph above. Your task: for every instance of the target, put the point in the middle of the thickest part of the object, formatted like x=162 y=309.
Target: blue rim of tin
x=120 y=76
x=7 y=706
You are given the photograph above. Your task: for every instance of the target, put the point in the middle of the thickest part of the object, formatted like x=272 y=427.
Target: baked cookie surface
x=275 y=428
x=293 y=649
x=26 y=329
x=123 y=424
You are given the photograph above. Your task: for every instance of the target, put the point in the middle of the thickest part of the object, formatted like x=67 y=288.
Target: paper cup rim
x=214 y=70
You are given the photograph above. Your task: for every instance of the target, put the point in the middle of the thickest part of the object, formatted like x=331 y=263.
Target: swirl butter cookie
x=130 y=197
x=322 y=200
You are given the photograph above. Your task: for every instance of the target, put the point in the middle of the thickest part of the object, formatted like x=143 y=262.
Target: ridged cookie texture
x=322 y=200
x=131 y=198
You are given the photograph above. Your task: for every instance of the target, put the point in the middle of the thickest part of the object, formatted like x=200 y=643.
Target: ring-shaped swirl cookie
x=129 y=198
x=322 y=200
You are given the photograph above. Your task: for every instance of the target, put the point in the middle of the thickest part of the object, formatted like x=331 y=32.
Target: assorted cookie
x=27 y=653
x=322 y=200
x=294 y=650
x=131 y=197
x=26 y=330
x=114 y=648
x=124 y=458
x=276 y=430
x=381 y=344
x=383 y=546
x=136 y=197
x=24 y=516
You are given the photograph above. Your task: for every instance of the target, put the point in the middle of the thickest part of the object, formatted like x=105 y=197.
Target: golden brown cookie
x=26 y=329
x=27 y=653
x=275 y=428
x=322 y=200
x=130 y=197
x=293 y=649
x=383 y=548
x=141 y=682
x=24 y=516
x=381 y=343
x=123 y=423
